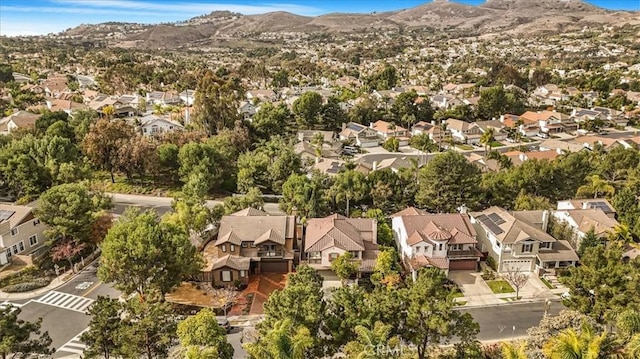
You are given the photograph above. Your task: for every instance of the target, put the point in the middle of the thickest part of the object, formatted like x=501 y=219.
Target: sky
x=38 y=17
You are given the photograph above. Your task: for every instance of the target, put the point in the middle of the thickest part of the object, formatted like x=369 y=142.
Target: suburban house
x=154 y=125
x=250 y=242
x=519 y=241
x=266 y=95
x=361 y=135
x=163 y=98
x=551 y=121
x=20 y=119
x=247 y=110
x=329 y=237
x=21 y=233
x=187 y=97
x=561 y=147
x=584 y=215
x=386 y=129
x=464 y=131
x=498 y=128
x=445 y=241
x=525 y=127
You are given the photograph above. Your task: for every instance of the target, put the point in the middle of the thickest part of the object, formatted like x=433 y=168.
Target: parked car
x=224 y=322
x=543 y=135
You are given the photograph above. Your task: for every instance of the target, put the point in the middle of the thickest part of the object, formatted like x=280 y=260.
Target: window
x=245 y=244
x=14 y=231
x=440 y=246
x=242 y=273
x=527 y=247
x=21 y=246
x=232 y=248
x=226 y=276
x=8 y=252
x=456 y=247
x=332 y=256
x=253 y=245
x=223 y=247
x=315 y=255
x=33 y=240
x=545 y=245
x=36 y=222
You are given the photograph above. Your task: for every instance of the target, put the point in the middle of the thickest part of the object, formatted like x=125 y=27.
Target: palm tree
x=369 y=339
x=621 y=232
x=282 y=341
x=443 y=131
x=511 y=351
x=595 y=186
x=632 y=348
x=487 y=137
x=569 y=343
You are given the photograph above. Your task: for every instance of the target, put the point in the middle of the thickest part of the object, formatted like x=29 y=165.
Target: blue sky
x=33 y=17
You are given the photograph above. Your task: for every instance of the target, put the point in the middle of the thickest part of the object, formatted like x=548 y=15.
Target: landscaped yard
x=465 y=147
x=496 y=144
x=500 y=286
x=546 y=282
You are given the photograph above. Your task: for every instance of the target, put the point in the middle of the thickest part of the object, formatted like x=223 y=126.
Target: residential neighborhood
x=441 y=181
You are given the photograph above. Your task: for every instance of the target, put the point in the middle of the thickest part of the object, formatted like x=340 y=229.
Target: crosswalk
x=74 y=346
x=66 y=301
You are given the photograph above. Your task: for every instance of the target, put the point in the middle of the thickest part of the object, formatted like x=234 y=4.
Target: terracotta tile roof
x=421 y=260
x=409 y=211
x=542 y=155
x=383 y=126
x=339 y=231
x=455 y=228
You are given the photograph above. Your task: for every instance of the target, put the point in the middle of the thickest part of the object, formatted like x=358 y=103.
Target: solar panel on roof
x=600 y=205
x=355 y=127
x=496 y=218
x=491 y=225
x=4 y=214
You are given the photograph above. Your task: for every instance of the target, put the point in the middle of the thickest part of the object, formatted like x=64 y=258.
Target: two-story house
x=155 y=125
x=551 y=121
x=586 y=215
x=519 y=241
x=250 y=242
x=327 y=238
x=361 y=135
x=20 y=232
x=445 y=241
x=464 y=131
x=386 y=129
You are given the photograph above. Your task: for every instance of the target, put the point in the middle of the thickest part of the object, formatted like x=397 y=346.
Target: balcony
x=275 y=253
x=471 y=254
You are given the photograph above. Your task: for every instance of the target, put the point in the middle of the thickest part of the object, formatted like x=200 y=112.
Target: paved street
x=163 y=204
x=509 y=320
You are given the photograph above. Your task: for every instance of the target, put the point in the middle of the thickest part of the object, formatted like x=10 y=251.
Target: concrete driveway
x=471 y=283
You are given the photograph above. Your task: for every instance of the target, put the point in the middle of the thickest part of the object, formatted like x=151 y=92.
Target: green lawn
x=500 y=286
x=464 y=147
x=496 y=144
x=458 y=294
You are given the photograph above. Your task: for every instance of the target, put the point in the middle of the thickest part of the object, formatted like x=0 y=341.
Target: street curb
x=37 y=292
x=521 y=301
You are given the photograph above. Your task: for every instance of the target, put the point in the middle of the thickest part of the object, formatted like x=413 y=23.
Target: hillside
x=494 y=16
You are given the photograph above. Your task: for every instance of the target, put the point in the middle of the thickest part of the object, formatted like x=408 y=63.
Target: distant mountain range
x=493 y=16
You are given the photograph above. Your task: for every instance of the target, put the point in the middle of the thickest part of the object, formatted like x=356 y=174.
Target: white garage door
x=523 y=265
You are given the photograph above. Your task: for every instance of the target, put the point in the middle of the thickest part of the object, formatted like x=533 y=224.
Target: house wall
x=325 y=255
x=162 y=126
x=400 y=236
x=25 y=230
x=216 y=276
x=229 y=248
x=423 y=248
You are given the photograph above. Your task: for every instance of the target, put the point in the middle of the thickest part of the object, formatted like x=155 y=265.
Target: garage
x=524 y=265
x=463 y=264
x=274 y=267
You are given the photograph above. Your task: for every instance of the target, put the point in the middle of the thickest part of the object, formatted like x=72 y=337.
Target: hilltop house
x=154 y=125
x=250 y=242
x=519 y=241
x=445 y=241
x=21 y=233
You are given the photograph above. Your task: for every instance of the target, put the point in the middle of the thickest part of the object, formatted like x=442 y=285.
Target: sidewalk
x=245 y=320
x=55 y=283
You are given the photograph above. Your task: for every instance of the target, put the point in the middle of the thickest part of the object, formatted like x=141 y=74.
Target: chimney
x=375 y=166
x=371 y=125
x=463 y=208
x=545 y=219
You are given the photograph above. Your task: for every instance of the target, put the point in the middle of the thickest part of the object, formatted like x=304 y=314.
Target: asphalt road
x=163 y=204
x=509 y=320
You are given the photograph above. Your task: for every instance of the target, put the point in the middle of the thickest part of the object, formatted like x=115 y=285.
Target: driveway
x=470 y=283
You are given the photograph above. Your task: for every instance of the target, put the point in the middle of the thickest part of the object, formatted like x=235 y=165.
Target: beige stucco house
x=20 y=232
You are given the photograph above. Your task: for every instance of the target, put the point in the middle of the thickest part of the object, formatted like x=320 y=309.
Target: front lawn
x=464 y=147
x=500 y=286
x=496 y=144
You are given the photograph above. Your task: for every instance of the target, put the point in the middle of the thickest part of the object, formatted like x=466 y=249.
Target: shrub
x=488 y=274
x=27 y=286
x=21 y=276
x=492 y=263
